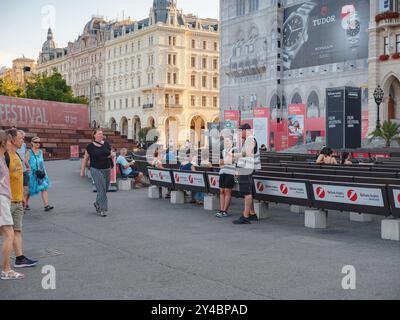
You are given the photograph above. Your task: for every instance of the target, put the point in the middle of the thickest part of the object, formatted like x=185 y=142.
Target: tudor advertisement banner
x=348 y=195
x=189 y=179
x=160 y=176
x=321 y=32
x=297 y=190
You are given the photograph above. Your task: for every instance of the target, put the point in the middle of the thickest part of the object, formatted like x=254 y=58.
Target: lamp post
x=378 y=96
x=96 y=83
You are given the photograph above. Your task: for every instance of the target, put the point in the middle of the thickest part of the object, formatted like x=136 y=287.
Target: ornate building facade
x=163 y=72
x=266 y=61
x=81 y=63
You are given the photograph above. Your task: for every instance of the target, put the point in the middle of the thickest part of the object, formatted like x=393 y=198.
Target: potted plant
x=384 y=57
x=389 y=132
x=386 y=16
x=396 y=55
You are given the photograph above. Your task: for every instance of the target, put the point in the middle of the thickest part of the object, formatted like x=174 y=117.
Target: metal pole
x=90 y=104
x=378 y=122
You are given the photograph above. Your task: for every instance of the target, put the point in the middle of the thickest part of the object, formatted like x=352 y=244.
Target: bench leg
x=164 y=192
x=297 y=209
x=262 y=210
x=154 y=192
x=391 y=229
x=211 y=202
x=315 y=219
x=177 y=197
x=360 y=217
x=125 y=185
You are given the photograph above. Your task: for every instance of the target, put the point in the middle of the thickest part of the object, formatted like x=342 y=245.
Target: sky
x=24 y=23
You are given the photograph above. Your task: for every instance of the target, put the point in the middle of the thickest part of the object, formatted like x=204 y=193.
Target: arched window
x=313 y=110
x=297 y=99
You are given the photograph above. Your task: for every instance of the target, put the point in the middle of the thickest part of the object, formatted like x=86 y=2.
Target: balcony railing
x=388 y=19
x=147 y=106
x=173 y=106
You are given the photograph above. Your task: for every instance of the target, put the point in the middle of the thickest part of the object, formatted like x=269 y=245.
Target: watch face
x=293 y=31
x=352 y=32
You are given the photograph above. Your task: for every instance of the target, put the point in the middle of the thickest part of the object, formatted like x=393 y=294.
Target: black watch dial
x=293 y=31
x=352 y=32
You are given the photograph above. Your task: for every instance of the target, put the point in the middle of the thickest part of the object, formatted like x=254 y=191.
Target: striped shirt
x=229 y=166
x=250 y=163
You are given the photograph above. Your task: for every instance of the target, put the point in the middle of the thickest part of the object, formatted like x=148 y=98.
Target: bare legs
x=8 y=238
x=225 y=199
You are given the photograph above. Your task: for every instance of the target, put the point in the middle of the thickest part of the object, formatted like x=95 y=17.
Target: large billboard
x=322 y=32
x=28 y=113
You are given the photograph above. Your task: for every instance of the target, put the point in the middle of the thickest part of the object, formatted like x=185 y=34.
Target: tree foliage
x=389 y=131
x=9 y=87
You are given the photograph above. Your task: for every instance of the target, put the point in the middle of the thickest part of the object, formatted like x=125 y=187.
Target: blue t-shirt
x=21 y=152
x=123 y=162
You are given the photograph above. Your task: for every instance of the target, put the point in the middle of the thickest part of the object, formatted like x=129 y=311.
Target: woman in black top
x=100 y=155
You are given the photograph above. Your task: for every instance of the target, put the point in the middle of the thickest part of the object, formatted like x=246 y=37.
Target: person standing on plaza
x=226 y=176
x=248 y=162
x=99 y=154
x=14 y=164
x=38 y=178
x=22 y=154
x=6 y=221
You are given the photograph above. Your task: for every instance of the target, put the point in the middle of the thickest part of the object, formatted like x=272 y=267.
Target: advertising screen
x=325 y=31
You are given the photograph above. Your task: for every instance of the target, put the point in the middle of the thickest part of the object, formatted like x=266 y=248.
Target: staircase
x=56 y=142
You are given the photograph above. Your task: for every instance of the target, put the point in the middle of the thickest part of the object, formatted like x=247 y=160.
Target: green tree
x=9 y=87
x=52 y=88
x=389 y=132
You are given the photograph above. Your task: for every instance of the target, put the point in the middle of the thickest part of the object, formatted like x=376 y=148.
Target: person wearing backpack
x=38 y=179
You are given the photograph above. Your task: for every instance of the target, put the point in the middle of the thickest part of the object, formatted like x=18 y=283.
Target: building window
x=386 y=45
x=215 y=46
x=174 y=59
x=139 y=81
x=215 y=102
x=204 y=81
x=193 y=81
x=169 y=78
x=177 y=99
x=215 y=82
x=139 y=101
x=120 y=103
x=193 y=62
x=398 y=43
x=204 y=63
x=167 y=100
x=193 y=44
x=204 y=45
x=240 y=7
x=253 y=5
x=126 y=103
x=175 y=76
x=389 y=5
x=192 y=101
x=204 y=101
x=215 y=64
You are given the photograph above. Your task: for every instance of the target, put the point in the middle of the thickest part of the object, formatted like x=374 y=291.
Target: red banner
x=113 y=175
x=29 y=113
x=231 y=115
x=74 y=151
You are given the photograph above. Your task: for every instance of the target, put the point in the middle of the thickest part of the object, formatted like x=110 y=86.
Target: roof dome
x=94 y=24
x=50 y=44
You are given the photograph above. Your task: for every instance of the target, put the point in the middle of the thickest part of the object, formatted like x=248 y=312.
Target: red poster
x=29 y=113
x=296 y=124
x=74 y=151
x=113 y=175
x=231 y=115
x=364 y=124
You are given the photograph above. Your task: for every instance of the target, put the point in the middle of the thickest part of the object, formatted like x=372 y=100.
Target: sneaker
x=48 y=208
x=242 y=220
x=97 y=206
x=12 y=275
x=27 y=208
x=253 y=217
x=24 y=262
x=223 y=214
x=103 y=214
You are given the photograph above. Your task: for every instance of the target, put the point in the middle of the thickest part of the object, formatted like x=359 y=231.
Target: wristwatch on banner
x=353 y=31
x=295 y=32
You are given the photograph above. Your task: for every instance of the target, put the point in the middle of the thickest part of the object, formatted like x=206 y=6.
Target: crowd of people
x=326 y=156
x=22 y=175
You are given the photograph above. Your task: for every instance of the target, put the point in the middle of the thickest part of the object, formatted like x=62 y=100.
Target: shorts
x=5 y=212
x=246 y=185
x=226 y=181
x=134 y=174
x=17 y=212
x=26 y=179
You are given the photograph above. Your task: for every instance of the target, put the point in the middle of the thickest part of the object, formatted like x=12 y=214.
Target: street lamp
x=96 y=83
x=378 y=96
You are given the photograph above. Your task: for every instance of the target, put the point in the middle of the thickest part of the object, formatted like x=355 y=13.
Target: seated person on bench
x=127 y=168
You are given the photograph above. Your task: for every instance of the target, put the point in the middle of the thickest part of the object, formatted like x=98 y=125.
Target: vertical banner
x=113 y=175
x=295 y=126
x=74 y=152
x=334 y=118
x=261 y=126
x=353 y=118
x=231 y=118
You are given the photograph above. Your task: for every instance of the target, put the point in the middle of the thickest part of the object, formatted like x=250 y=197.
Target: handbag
x=40 y=174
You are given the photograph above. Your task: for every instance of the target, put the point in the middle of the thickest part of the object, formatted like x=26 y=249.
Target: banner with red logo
x=160 y=176
x=28 y=113
x=213 y=181
x=286 y=189
x=348 y=195
x=189 y=179
x=232 y=117
x=396 y=196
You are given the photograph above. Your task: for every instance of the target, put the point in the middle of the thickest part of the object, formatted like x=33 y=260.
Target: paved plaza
x=150 y=249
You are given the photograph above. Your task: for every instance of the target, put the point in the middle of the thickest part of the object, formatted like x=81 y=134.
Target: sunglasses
x=36 y=142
